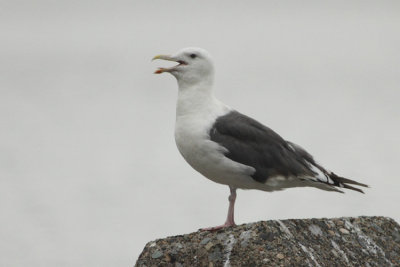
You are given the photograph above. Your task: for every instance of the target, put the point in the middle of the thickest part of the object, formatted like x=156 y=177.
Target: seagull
x=231 y=148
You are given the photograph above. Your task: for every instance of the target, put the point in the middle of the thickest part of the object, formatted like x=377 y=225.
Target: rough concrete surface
x=361 y=241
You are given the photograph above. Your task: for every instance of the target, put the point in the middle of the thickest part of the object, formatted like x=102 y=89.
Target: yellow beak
x=164 y=57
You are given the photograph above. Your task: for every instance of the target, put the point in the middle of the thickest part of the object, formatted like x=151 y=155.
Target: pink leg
x=230 y=221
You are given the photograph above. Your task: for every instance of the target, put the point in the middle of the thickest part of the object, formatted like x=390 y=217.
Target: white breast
x=193 y=123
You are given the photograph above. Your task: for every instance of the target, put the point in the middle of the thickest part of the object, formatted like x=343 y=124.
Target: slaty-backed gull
x=230 y=148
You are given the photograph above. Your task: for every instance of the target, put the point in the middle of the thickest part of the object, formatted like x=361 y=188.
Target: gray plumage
x=253 y=144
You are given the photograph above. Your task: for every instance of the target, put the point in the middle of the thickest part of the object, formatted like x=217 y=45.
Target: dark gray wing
x=253 y=144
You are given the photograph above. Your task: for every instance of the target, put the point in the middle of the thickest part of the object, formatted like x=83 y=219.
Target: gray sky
x=89 y=171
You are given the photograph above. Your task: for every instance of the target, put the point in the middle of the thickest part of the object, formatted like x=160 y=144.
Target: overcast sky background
x=89 y=171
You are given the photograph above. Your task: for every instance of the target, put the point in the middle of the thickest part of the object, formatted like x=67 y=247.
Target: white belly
x=206 y=156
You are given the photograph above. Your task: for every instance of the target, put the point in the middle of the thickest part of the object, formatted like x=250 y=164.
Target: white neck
x=194 y=98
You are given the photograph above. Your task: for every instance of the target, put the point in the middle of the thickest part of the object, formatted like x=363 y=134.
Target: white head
x=195 y=66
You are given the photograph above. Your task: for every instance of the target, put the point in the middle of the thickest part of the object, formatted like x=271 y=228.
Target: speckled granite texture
x=361 y=241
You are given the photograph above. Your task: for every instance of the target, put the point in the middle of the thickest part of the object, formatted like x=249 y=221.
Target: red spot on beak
x=159 y=71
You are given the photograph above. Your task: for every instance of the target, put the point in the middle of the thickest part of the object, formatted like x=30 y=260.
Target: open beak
x=169 y=58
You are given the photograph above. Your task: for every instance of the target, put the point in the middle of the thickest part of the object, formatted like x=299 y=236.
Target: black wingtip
x=344 y=182
x=352 y=188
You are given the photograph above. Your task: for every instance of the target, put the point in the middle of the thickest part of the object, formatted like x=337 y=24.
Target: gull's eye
x=193 y=55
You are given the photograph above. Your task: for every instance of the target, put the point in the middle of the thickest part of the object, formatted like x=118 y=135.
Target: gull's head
x=194 y=65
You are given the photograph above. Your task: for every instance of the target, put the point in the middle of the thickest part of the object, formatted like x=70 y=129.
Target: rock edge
x=360 y=241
